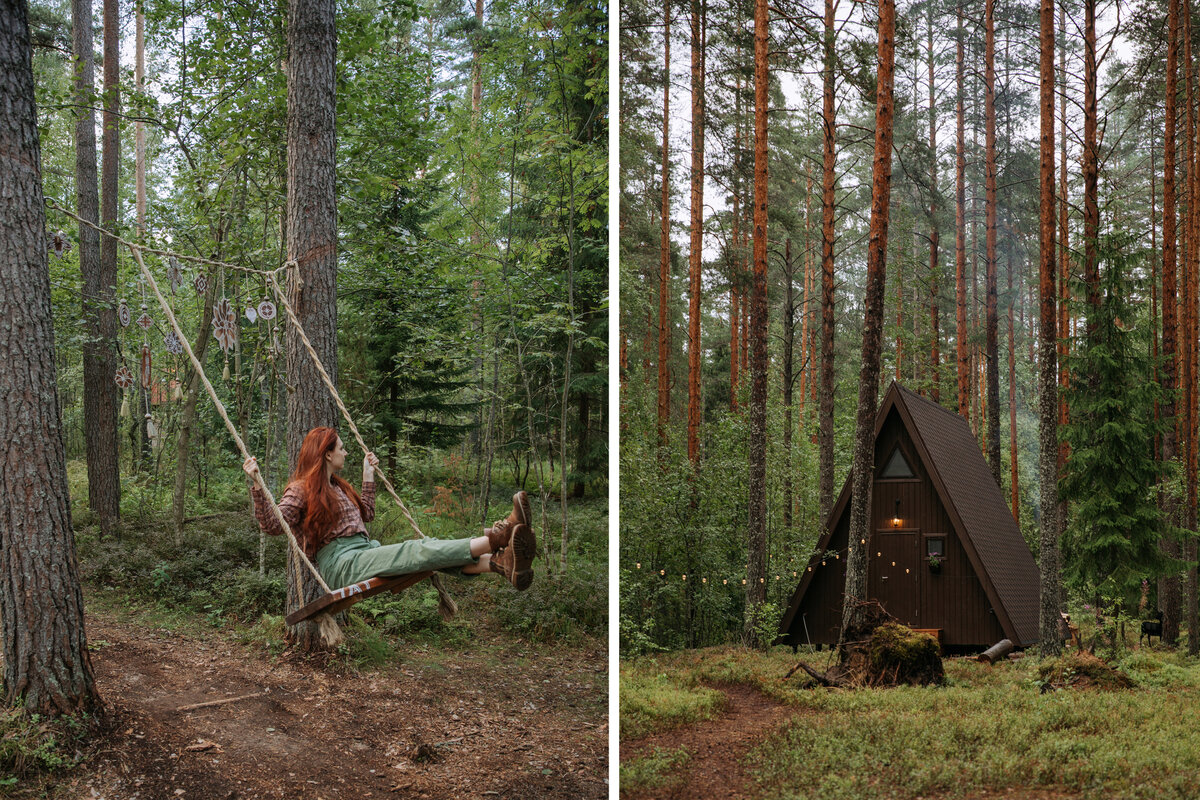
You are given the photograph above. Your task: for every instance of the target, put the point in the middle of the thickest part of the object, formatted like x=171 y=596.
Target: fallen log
x=195 y=706
x=996 y=652
x=821 y=678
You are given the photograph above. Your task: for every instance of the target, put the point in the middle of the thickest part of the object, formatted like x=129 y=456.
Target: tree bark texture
x=46 y=664
x=788 y=326
x=1168 y=586
x=311 y=241
x=664 y=266
x=863 y=468
x=100 y=392
x=828 y=166
x=696 y=251
x=756 y=589
x=960 y=236
x=1048 y=557
x=1188 y=297
x=992 y=324
x=1091 y=171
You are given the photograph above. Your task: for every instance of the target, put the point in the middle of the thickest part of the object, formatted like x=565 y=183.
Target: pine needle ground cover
x=989 y=729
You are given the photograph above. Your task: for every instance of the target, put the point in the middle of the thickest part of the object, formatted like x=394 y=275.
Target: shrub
x=557 y=608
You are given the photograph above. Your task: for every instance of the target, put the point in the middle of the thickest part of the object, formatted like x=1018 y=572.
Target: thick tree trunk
x=1064 y=270
x=863 y=469
x=828 y=165
x=311 y=242
x=960 y=235
x=47 y=669
x=109 y=168
x=100 y=392
x=664 y=266
x=1168 y=586
x=696 y=251
x=756 y=572
x=1048 y=557
x=992 y=334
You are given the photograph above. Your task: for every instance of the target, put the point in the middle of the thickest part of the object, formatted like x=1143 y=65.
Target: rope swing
x=333 y=601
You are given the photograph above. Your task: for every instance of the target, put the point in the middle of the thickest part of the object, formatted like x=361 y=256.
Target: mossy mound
x=1082 y=670
x=879 y=651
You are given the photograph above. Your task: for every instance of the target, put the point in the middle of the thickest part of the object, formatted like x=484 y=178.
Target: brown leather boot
x=521 y=513
x=498 y=535
x=515 y=562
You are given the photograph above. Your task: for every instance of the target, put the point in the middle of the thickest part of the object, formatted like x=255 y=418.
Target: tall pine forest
x=471 y=271
x=1044 y=166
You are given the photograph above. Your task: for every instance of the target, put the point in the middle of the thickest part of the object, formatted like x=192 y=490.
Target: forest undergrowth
x=999 y=729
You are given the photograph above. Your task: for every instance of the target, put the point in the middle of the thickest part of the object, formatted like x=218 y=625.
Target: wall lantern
x=896 y=516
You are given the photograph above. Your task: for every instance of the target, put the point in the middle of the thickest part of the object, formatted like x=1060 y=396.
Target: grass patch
x=988 y=729
x=656 y=702
x=658 y=769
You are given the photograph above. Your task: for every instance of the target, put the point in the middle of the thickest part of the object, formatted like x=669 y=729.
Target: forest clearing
x=990 y=731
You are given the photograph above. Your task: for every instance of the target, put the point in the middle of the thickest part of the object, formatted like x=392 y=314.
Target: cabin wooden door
x=893 y=576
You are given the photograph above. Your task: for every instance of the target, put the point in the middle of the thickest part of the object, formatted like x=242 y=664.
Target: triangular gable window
x=897 y=467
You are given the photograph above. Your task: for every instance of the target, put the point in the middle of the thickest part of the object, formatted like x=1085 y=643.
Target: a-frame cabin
x=933 y=495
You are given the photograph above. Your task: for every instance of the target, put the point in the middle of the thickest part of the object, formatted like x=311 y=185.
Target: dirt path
x=715 y=771
x=499 y=720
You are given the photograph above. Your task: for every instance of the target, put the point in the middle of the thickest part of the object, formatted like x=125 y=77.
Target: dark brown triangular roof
x=950 y=455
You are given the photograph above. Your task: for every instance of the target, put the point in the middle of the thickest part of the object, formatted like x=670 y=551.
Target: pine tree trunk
x=1091 y=200
x=1014 y=482
x=1188 y=296
x=756 y=590
x=1048 y=557
x=109 y=168
x=828 y=165
x=935 y=356
x=188 y=416
x=47 y=669
x=664 y=267
x=992 y=333
x=960 y=235
x=311 y=242
x=863 y=469
x=805 y=351
x=100 y=392
x=788 y=325
x=1168 y=586
x=696 y=251
x=734 y=263
x=1064 y=271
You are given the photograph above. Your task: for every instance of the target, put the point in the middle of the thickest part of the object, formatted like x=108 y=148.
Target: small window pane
x=935 y=547
x=897 y=467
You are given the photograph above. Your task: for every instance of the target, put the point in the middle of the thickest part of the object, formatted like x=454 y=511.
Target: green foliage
x=557 y=608
x=1112 y=540
x=658 y=769
x=653 y=702
x=30 y=744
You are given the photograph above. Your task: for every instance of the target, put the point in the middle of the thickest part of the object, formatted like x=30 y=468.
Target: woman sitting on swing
x=327 y=516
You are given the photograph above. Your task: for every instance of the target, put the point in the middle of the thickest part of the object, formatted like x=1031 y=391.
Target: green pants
x=351 y=559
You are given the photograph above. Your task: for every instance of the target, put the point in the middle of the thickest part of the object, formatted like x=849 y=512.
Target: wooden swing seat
x=341 y=599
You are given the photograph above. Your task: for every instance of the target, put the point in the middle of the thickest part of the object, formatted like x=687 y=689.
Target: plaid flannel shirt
x=348 y=518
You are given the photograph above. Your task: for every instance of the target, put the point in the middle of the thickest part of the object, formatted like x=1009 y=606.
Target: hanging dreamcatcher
x=266 y=310
x=123 y=313
x=201 y=283
x=225 y=324
x=252 y=314
x=172 y=343
x=59 y=244
x=174 y=274
x=124 y=378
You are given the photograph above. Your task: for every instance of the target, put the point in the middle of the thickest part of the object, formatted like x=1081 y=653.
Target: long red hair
x=318 y=491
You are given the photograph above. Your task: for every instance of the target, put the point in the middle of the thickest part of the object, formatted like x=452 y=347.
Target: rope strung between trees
x=157 y=252
x=446 y=604
x=212 y=393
